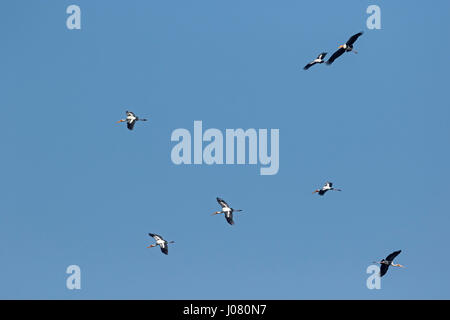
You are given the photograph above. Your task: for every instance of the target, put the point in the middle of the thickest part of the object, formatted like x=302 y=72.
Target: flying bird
x=130 y=120
x=389 y=261
x=319 y=59
x=347 y=47
x=226 y=210
x=164 y=245
x=328 y=186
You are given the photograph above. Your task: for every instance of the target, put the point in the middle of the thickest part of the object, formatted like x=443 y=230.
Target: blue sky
x=79 y=189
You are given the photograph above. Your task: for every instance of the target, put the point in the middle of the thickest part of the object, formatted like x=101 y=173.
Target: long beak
x=121 y=120
x=341 y=46
x=217 y=212
x=315 y=191
x=151 y=246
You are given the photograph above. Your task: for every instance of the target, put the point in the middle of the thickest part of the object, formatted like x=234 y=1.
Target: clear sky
x=79 y=189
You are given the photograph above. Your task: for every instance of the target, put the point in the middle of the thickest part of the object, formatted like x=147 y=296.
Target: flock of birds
x=131 y=120
x=346 y=47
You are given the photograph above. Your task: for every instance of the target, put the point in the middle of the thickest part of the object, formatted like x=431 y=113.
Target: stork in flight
x=319 y=59
x=130 y=120
x=328 y=186
x=389 y=261
x=164 y=245
x=347 y=47
x=226 y=210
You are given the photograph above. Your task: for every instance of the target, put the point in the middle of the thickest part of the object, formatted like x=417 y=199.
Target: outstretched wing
x=222 y=203
x=392 y=256
x=336 y=55
x=383 y=269
x=165 y=248
x=156 y=236
x=130 y=124
x=322 y=55
x=353 y=38
x=329 y=184
x=229 y=218
x=309 y=65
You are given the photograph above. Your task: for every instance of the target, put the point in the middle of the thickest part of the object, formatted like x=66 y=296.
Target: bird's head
x=315 y=191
